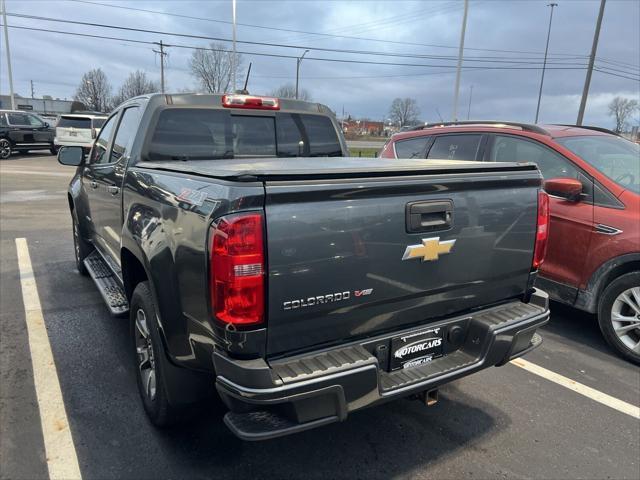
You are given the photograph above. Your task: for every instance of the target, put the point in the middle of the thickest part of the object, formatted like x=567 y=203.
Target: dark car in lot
x=593 y=178
x=23 y=131
x=252 y=256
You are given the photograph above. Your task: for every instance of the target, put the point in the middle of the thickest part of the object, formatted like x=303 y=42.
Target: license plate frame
x=416 y=348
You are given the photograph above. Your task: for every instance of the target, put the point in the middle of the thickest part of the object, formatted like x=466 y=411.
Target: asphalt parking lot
x=500 y=423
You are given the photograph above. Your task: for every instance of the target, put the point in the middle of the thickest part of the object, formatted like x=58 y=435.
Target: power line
x=616 y=74
x=277 y=45
x=519 y=66
x=323 y=34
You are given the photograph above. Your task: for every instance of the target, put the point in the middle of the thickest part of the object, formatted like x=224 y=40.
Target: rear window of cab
x=206 y=133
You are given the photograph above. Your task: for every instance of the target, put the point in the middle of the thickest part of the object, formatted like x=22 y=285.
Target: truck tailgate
x=349 y=258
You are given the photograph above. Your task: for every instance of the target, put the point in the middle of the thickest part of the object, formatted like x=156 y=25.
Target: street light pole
x=544 y=65
x=298 y=62
x=470 y=97
x=233 y=57
x=6 y=43
x=460 y=54
x=592 y=57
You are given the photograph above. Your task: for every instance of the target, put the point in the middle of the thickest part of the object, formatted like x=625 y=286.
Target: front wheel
x=619 y=315
x=5 y=148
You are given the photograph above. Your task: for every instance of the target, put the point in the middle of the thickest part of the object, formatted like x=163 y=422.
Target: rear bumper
x=59 y=142
x=272 y=399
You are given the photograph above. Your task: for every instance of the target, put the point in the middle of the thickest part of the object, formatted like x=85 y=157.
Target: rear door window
x=75 y=122
x=455 y=147
x=18 y=119
x=512 y=149
x=412 y=147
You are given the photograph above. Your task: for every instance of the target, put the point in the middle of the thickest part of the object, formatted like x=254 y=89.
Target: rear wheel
x=5 y=148
x=619 y=315
x=148 y=351
x=81 y=248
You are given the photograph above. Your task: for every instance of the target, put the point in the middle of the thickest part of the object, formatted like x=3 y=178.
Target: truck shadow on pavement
x=381 y=442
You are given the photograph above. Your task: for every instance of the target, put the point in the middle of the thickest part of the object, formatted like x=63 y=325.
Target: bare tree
x=621 y=109
x=94 y=91
x=404 y=111
x=211 y=67
x=289 y=91
x=136 y=84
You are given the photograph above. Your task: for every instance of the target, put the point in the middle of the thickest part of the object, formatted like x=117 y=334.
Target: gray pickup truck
x=252 y=256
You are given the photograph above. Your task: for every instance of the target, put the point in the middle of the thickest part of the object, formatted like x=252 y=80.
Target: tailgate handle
x=430 y=215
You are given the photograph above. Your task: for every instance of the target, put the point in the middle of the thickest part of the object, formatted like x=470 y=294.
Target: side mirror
x=72 y=156
x=46 y=125
x=567 y=188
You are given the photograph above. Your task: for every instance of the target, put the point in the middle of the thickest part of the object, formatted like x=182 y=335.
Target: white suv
x=78 y=129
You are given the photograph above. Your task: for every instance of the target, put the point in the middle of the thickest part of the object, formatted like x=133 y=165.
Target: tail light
x=542 y=230
x=236 y=269
x=250 y=101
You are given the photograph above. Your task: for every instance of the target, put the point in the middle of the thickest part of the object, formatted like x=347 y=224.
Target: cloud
x=56 y=62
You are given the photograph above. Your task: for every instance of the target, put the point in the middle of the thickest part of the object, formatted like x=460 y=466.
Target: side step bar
x=105 y=280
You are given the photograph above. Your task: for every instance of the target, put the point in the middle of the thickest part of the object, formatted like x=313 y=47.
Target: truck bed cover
x=328 y=167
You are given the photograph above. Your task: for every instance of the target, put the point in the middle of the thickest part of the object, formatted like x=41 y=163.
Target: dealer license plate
x=418 y=348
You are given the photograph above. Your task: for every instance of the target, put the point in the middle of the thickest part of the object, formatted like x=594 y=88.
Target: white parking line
x=62 y=461
x=36 y=172
x=588 y=392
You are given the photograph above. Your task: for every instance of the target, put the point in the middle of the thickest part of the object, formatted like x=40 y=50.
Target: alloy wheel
x=144 y=351
x=5 y=148
x=625 y=317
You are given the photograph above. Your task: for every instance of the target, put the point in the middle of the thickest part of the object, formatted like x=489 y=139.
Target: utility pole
x=470 y=97
x=587 y=82
x=460 y=53
x=233 y=57
x=544 y=64
x=162 y=54
x=6 y=43
x=32 y=91
x=298 y=62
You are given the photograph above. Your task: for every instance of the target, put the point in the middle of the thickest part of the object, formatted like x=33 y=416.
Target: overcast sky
x=495 y=29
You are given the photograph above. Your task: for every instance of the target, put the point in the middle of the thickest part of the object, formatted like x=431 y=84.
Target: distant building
x=362 y=127
x=45 y=106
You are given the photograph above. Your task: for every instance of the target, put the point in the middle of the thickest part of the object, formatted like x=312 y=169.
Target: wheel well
x=616 y=272
x=133 y=271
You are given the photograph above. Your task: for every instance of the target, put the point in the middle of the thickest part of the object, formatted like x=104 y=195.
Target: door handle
x=94 y=184
x=113 y=190
x=429 y=215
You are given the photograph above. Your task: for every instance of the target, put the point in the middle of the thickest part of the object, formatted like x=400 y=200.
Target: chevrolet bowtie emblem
x=430 y=249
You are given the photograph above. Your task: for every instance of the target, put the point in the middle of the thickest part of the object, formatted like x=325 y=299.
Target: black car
x=24 y=131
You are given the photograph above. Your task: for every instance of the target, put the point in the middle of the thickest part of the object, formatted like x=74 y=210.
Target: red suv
x=593 y=178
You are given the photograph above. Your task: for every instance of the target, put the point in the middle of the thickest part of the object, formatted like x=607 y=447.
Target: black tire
x=81 y=248
x=5 y=148
x=155 y=400
x=605 y=310
x=54 y=150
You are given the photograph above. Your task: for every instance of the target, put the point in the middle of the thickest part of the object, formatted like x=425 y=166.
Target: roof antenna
x=244 y=91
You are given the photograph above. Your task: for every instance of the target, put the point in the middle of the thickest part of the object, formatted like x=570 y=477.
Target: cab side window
x=99 y=152
x=125 y=134
x=18 y=118
x=550 y=163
